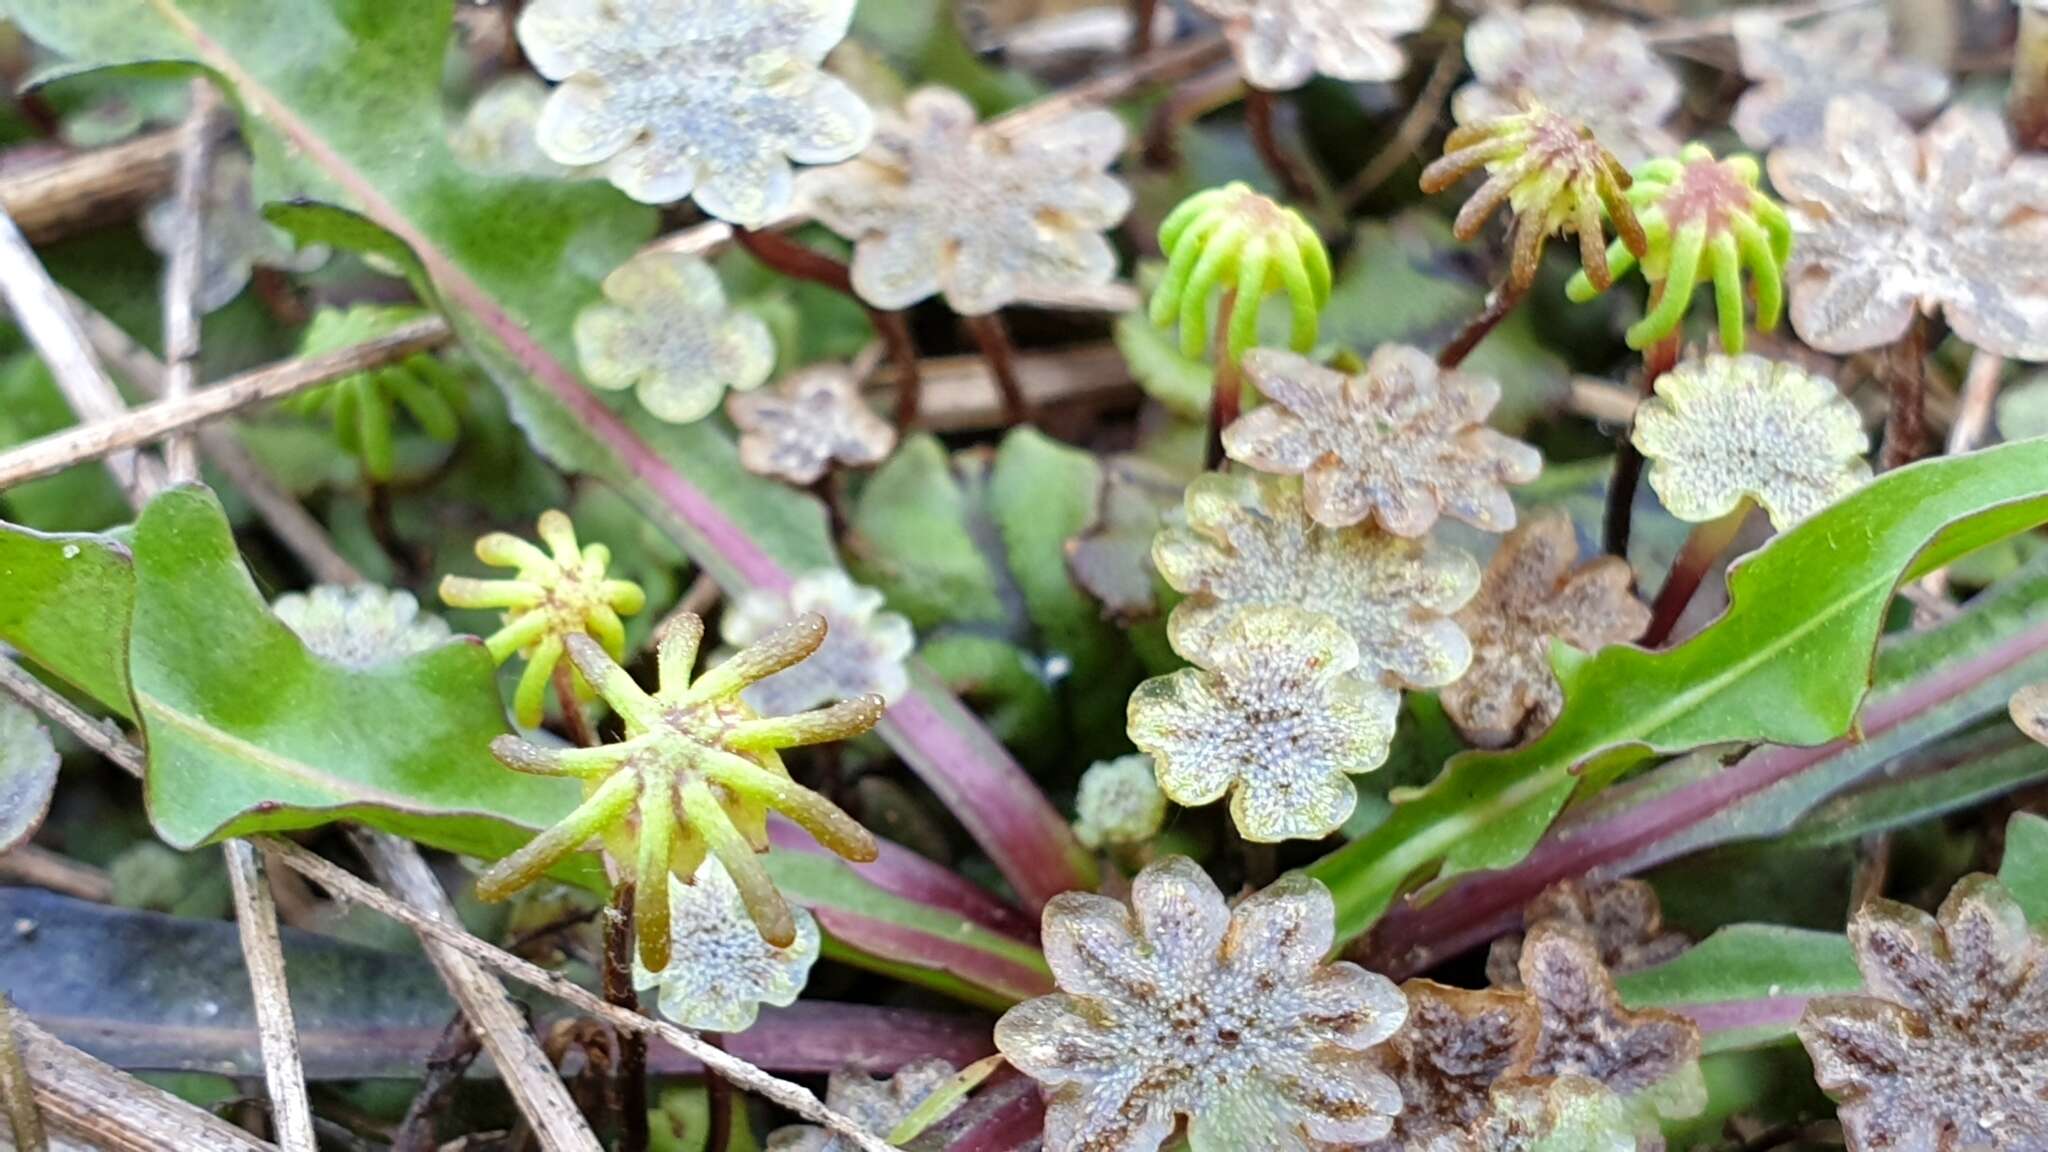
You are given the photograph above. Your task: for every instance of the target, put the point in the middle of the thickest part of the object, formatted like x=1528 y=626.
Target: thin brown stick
x=959 y=393
x=457 y=1049
x=41 y=868
x=1905 y=419
x=992 y=336
x=1702 y=547
x=781 y=254
x=65 y=197
x=1414 y=128
x=398 y=866
x=24 y=1119
x=1143 y=14
x=627 y=1097
x=106 y=1108
x=1628 y=462
x=793 y=1097
x=39 y=309
x=1165 y=66
x=1220 y=86
x=718 y=1094
x=498 y=1020
x=1285 y=165
x=1499 y=304
x=573 y=718
x=115 y=433
x=291 y=1115
x=1973 y=410
x=1226 y=394
x=303 y=535
x=181 y=275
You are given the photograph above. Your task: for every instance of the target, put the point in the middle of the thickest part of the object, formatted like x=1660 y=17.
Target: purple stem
x=821 y=1036
x=1414 y=937
x=1777 y=1013
x=978 y=781
x=901 y=872
x=1015 y=1122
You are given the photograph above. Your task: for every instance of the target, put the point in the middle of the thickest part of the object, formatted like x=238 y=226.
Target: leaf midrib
x=342 y=790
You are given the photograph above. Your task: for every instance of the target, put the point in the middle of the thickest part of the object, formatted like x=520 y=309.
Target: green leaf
x=28 y=773
x=1788 y=663
x=1041 y=494
x=76 y=498
x=248 y=732
x=67 y=607
x=1970 y=774
x=1943 y=680
x=911 y=539
x=342 y=103
x=1747 y=984
x=2025 y=867
x=1153 y=354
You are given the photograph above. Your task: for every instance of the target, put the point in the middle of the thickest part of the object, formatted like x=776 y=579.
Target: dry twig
x=296 y=528
x=263 y=953
x=108 y=435
x=18 y=1096
x=181 y=277
x=108 y=1109
x=39 y=309
x=51 y=201
x=345 y=885
x=42 y=868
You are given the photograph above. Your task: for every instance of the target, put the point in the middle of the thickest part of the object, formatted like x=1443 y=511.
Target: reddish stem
x=1499 y=303
x=1628 y=463
x=718 y=1133
x=1905 y=420
x=781 y=254
x=1227 y=395
x=1187 y=103
x=1143 y=14
x=627 y=1098
x=1702 y=547
x=992 y=336
x=580 y=732
x=1261 y=117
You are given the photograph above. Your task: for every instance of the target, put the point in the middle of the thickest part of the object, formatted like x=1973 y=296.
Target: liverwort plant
x=696 y=774
x=981 y=216
x=1947 y=1046
x=1555 y=178
x=1274 y=715
x=363 y=404
x=1600 y=73
x=1895 y=228
x=1397 y=444
x=664 y=329
x=1704 y=221
x=1180 y=1005
x=1234 y=241
x=692 y=98
x=553 y=594
x=360 y=626
x=720 y=970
